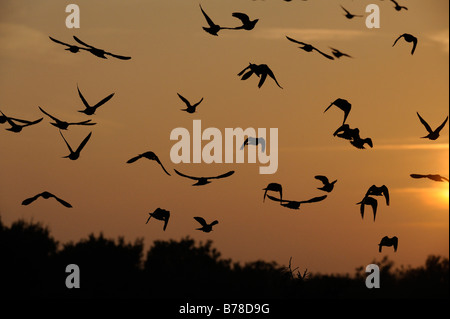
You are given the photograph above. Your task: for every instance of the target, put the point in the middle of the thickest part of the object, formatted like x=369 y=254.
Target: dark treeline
x=33 y=264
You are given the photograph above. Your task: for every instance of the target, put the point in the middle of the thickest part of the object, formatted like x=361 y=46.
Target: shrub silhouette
x=33 y=265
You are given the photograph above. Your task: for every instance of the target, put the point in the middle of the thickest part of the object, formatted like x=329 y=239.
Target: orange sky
x=171 y=53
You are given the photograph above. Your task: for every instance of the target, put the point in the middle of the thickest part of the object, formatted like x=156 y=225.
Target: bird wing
x=270 y=73
x=241 y=16
x=162 y=166
x=414 y=45
x=277 y=199
x=83 y=43
x=33 y=122
x=222 y=176
x=314 y=199
x=385 y=192
x=201 y=220
x=52 y=117
x=63 y=202
x=106 y=99
x=214 y=223
x=60 y=42
x=417 y=176
x=87 y=122
x=134 y=159
x=324 y=54
x=121 y=57
x=70 y=149
x=86 y=139
x=322 y=178
x=345 y=10
x=28 y=201
x=208 y=19
x=295 y=41
x=198 y=103
x=428 y=128
x=166 y=220
x=440 y=127
x=184 y=175
x=398 y=39
x=188 y=104
x=86 y=104
x=261 y=80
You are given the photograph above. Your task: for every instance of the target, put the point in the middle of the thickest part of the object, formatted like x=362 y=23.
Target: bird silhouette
x=63 y=125
x=388 y=242
x=327 y=185
x=359 y=142
x=100 y=52
x=432 y=134
x=204 y=180
x=212 y=28
x=367 y=200
x=345 y=132
x=379 y=191
x=295 y=204
x=338 y=54
x=309 y=48
x=71 y=48
x=45 y=195
x=16 y=128
x=433 y=177
x=75 y=154
x=90 y=110
x=349 y=15
x=4 y=119
x=160 y=214
x=205 y=226
x=274 y=187
x=408 y=38
x=255 y=141
x=148 y=155
x=397 y=6
x=261 y=70
x=342 y=104
x=247 y=24
x=189 y=107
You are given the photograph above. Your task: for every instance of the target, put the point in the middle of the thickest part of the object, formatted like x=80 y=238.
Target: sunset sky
x=171 y=54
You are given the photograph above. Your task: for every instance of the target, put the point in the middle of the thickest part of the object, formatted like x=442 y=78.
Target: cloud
x=308 y=34
x=442 y=39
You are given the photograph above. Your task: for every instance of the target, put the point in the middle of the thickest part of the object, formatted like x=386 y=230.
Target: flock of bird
x=262 y=71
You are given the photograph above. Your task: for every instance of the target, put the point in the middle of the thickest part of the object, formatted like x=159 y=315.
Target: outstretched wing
x=241 y=16
x=83 y=43
x=395 y=42
x=295 y=41
x=222 y=176
x=52 y=117
x=106 y=99
x=188 y=104
x=208 y=19
x=385 y=192
x=345 y=10
x=187 y=176
x=428 y=128
x=414 y=45
x=277 y=199
x=440 y=127
x=162 y=166
x=86 y=104
x=314 y=199
x=63 y=202
x=60 y=42
x=28 y=201
x=70 y=149
x=270 y=73
x=134 y=159
x=121 y=57
x=322 y=178
x=324 y=54
x=86 y=139
x=201 y=220
x=418 y=176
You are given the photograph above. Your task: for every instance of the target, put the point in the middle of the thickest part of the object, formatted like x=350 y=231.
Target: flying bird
x=16 y=128
x=433 y=177
x=294 y=204
x=90 y=110
x=309 y=48
x=432 y=135
x=408 y=38
x=388 y=242
x=189 y=107
x=204 y=180
x=99 y=52
x=338 y=54
x=379 y=191
x=342 y=104
x=247 y=24
x=349 y=15
x=367 y=200
x=71 y=48
x=45 y=195
x=212 y=28
x=327 y=185
x=148 y=155
x=397 y=6
x=63 y=125
x=160 y=214
x=75 y=154
x=255 y=141
x=261 y=70
x=205 y=226
x=274 y=187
